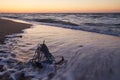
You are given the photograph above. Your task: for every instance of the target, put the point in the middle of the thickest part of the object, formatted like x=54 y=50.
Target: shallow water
x=104 y=23
x=88 y=56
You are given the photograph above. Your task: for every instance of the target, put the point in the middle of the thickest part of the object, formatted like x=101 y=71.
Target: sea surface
x=88 y=56
x=105 y=23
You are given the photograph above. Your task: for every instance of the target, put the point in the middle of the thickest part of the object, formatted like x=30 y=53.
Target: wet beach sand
x=88 y=56
x=8 y=27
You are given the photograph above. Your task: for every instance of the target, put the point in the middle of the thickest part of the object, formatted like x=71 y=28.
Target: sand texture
x=8 y=27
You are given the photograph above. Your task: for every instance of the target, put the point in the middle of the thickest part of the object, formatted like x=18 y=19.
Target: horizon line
x=54 y=12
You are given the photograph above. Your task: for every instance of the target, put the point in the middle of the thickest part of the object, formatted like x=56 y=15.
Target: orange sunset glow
x=42 y=6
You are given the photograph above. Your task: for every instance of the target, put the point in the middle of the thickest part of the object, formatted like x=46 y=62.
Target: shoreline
x=8 y=27
x=86 y=54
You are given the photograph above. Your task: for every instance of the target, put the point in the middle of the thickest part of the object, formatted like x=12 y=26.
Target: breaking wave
x=104 y=23
x=55 y=21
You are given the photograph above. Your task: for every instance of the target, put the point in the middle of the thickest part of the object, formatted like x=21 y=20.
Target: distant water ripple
x=105 y=23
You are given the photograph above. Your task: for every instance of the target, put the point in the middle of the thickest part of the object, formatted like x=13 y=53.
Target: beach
x=8 y=27
x=88 y=55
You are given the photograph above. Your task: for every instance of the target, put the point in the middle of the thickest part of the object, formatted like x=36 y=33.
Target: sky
x=59 y=6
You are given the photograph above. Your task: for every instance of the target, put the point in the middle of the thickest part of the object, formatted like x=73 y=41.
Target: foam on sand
x=90 y=56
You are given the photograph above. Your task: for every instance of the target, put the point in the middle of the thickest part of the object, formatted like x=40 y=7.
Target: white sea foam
x=104 y=23
x=89 y=56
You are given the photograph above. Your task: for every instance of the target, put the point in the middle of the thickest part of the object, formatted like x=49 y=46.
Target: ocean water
x=104 y=23
x=88 y=56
